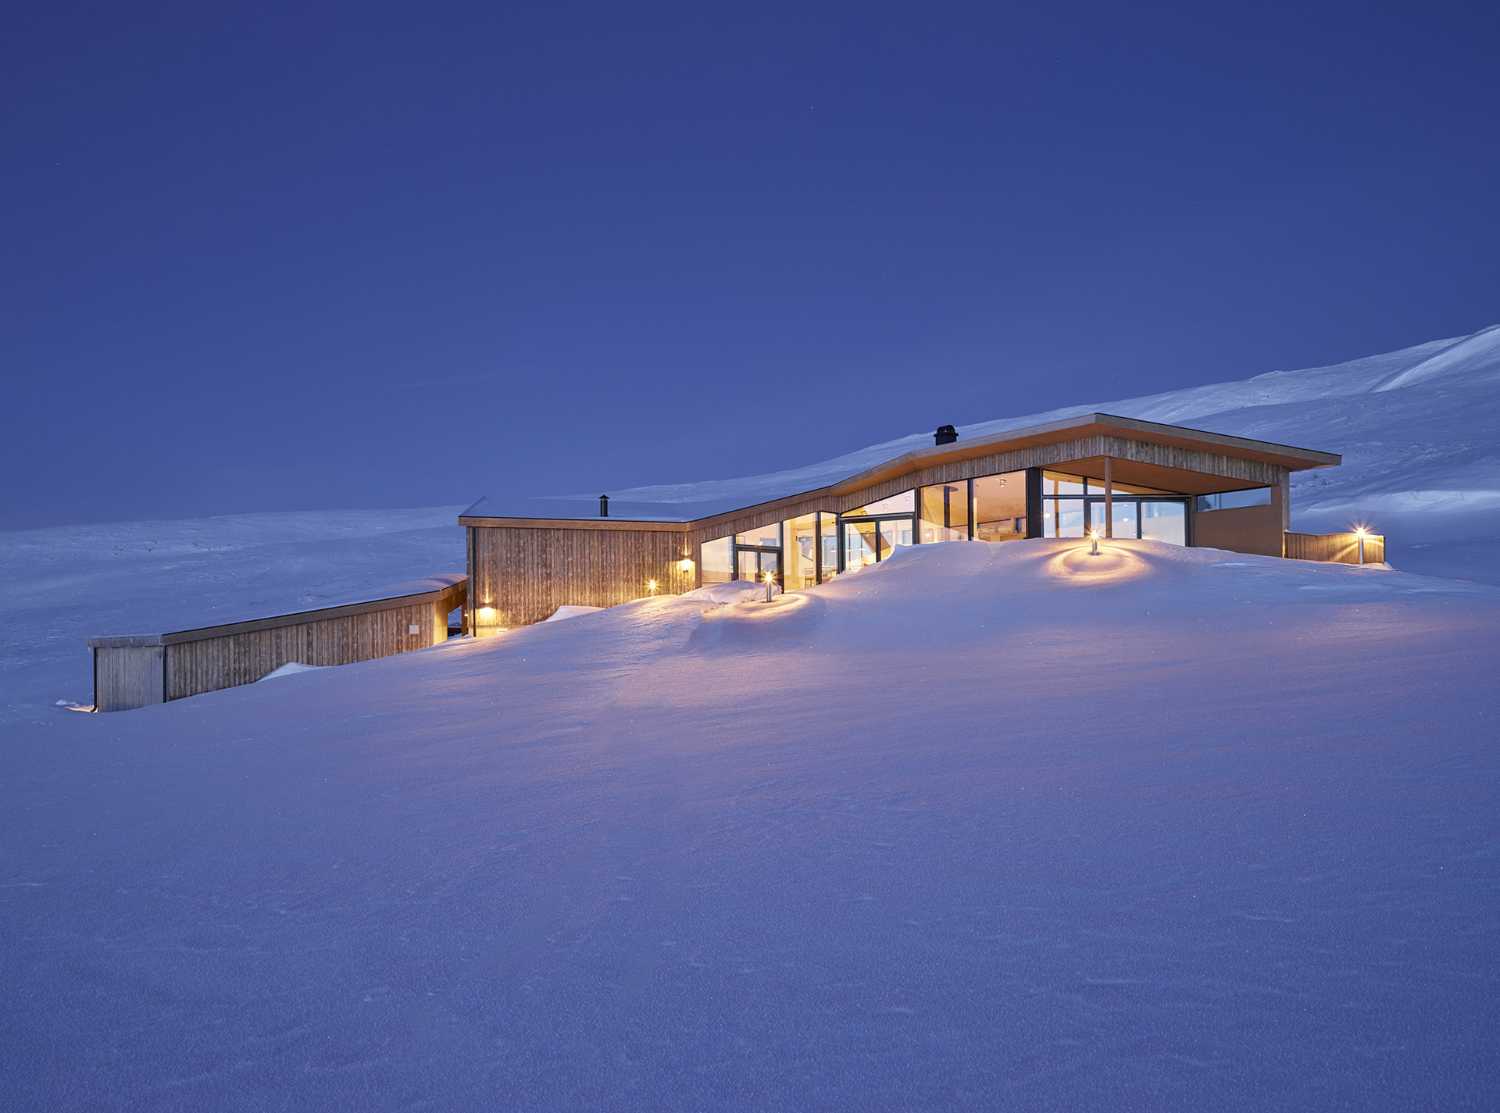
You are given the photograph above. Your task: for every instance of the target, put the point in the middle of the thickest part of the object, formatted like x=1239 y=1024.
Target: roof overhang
x=1066 y=429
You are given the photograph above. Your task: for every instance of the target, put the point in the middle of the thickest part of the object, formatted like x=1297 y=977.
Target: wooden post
x=1109 y=500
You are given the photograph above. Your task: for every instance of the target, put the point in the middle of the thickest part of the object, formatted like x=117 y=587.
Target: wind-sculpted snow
x=1419 y=430
x=985 y=826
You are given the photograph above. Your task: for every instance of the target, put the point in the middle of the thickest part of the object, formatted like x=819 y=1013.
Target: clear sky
x=289 y=258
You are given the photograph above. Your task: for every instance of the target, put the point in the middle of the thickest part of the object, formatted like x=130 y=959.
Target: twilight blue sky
x=286 y=258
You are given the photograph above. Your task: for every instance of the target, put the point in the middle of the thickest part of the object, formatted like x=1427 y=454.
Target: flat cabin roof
x=625 y=513
x=431 y=589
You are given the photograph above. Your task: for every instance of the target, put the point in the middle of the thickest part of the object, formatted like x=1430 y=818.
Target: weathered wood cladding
x=523 y=570
x=521 y=575
x=224 y=662
x=136 y=671
x=1340 y=548
x=129 y=676
x=1058 y=454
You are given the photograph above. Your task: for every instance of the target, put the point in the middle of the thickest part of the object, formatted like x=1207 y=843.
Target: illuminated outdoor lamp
x=1360 y=533
x=651 y=587
x=1093 y=542
x=770 y=579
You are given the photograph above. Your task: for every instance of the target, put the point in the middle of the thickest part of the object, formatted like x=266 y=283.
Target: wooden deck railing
x=1342 y=548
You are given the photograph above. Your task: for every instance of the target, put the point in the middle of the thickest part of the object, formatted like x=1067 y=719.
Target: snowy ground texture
x=982 y=827
x=1419 y=430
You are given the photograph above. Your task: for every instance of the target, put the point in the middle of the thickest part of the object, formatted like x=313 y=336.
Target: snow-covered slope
x=981 y=827
x=1419 y=430
x=59 y=586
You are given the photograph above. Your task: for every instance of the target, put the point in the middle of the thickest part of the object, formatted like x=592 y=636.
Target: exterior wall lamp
x=651 y=587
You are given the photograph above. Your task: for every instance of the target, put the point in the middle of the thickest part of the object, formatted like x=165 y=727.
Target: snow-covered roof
x=692 y=502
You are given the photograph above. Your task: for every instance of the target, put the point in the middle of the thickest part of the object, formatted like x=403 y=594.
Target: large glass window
x=767 y=536
x=904 y=503
x=800 y=552
x=717 y=561
x=945 y=512
x=757 y=564
x=828 y=539
x=1000 y=507
x=861 y=545
x=1056 y=483
x=1062 y=518
x=871 y=531
x=1164 y=520
x=1126 y=513
x=1234 y=500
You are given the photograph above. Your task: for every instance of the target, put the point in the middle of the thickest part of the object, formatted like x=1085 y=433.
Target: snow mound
x=1408 y=423
x=986 y=825
x=291 y=668
x=571 y=611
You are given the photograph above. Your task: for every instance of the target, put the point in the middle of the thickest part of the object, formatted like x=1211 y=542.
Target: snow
x=570 y=612
x=60 y=586
x=291 y=668
x=1419 y=430
x=986 y=826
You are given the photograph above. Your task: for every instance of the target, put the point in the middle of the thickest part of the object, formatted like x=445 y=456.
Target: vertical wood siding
x=128 y=676
x=526 y=573
x=223 y=662
x=1340 y=548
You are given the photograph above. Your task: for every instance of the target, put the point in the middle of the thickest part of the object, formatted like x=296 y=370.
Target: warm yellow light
x=1093 y=542
x=769 y=576
x=487 y=615
x=1361 y=532
x=685 y=565
x=651 y=586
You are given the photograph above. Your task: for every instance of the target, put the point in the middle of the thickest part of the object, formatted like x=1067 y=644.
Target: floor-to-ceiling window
x=716 y=559
x=1072 y=505
x=1000 y=507
x=828 y=545
x=870 y=532
x=757 y=553
x=800 y=553
x=944 y=512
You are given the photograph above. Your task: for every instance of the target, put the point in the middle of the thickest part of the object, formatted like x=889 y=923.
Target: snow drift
x=984 y=826
x=1419 y=430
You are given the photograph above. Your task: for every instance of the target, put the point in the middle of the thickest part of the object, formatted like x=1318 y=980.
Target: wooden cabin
x=1123 y=477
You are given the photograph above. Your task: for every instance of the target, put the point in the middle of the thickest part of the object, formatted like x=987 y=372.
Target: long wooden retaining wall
x=143 y=669
x=1341 y=548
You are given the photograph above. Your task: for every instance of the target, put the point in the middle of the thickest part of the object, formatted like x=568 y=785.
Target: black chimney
x=604 y=506
x=945 y=434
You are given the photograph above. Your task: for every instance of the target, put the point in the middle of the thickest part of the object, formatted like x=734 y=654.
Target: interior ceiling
x=1154 y=475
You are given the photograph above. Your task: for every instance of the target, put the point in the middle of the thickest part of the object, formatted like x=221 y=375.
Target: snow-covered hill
x=981 y=827
x=62 y=585
x=1419 y=430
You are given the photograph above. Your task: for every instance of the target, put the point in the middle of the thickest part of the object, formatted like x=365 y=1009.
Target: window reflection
x=860 y=545
x=768 y=535
x=1162 y=520
x=715 y=560
x=904 y=503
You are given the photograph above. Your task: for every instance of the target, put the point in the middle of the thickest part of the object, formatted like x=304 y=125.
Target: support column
x=1109 y=500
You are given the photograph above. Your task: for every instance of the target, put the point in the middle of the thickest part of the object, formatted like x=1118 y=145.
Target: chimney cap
x=604 y=506
x=945 y=434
